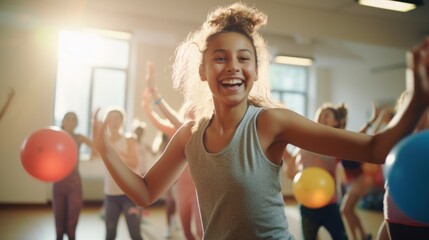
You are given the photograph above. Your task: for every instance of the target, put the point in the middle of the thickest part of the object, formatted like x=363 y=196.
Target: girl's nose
x=232 y=67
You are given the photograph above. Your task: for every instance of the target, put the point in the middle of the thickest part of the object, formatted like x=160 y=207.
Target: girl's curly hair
x=238 y=18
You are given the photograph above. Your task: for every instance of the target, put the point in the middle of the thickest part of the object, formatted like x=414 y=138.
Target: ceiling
x=333 y=19
x=419 y=16
x=343 y=20
x=350 y=21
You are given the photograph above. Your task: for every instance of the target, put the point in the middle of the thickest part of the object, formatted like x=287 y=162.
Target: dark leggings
x=114 y=205
x=66 y=204
x=405 y=232
x=328 y=217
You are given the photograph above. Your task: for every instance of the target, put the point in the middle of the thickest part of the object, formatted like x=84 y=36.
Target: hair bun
x=237 y=17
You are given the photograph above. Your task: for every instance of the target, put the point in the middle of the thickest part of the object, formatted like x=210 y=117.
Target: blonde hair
x=237 y=18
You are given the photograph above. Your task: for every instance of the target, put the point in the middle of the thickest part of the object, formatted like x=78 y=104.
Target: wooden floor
x=35 y=222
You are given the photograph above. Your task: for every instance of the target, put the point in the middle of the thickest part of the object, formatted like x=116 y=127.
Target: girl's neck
x=226 y=118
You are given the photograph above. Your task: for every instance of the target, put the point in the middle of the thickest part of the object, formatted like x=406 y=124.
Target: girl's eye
x=220 y=59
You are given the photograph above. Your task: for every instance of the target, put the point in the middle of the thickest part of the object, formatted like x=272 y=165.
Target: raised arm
x=132 y=158
x=162 y=124
x=90 y=144
x=374 y=116
x=145 y=190
x=165 y=108
x=158 y=100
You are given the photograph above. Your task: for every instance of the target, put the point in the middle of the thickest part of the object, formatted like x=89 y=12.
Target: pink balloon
x=49 y=154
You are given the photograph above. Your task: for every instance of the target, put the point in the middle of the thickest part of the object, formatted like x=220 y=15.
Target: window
x=92 y=72
x=290 y=85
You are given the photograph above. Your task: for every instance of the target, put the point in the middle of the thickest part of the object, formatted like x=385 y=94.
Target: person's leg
x=333 y=222
x=310 y=223
x=383 y=233
x=357 y=189
x=185 y=212
x=171 y=209
x=132 y=217
x=74 y=207
x=60 y=215
x=112 y=213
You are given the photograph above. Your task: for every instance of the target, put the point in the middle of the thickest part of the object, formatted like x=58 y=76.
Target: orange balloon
x=314 y=187
x=49 y=154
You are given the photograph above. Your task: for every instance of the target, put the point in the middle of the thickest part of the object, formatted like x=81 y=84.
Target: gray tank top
x=239 y=190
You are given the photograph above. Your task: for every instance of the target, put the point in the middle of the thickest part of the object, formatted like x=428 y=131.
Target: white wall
x=377 y=75
x=28 y=64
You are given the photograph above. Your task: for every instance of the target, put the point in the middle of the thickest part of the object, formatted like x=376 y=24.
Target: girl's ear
x=202 y=73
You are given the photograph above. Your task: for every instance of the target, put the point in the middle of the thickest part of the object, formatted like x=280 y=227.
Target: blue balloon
x=407 y=171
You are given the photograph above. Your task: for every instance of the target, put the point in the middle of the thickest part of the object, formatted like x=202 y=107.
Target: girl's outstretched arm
x=146 y=190
x=280 y=126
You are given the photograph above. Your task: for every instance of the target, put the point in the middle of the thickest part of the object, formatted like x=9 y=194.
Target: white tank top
x=110 y=186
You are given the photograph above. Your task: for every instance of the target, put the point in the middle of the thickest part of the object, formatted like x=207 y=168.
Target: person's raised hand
x=420 y=66
x=150 y=78
x=375 y=113
x=98 y=132
x=146 y=98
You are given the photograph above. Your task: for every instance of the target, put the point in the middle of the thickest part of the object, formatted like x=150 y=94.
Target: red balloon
x=49 y=154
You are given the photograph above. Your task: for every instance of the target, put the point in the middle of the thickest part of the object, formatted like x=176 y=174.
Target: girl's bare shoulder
x=276 y=115
x=282 y=123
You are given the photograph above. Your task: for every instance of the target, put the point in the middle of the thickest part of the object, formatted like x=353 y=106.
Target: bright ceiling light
x=394 y=5
x=300 y=61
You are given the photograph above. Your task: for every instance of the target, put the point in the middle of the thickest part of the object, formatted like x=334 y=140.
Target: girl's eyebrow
x=224 y=50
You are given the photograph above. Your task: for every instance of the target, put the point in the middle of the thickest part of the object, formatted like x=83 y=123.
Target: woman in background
x=126 y=149
x=360 y=179
x=329 y=215
x=67 y=193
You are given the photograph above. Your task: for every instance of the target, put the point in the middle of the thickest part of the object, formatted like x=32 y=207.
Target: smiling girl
x=234 y=146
